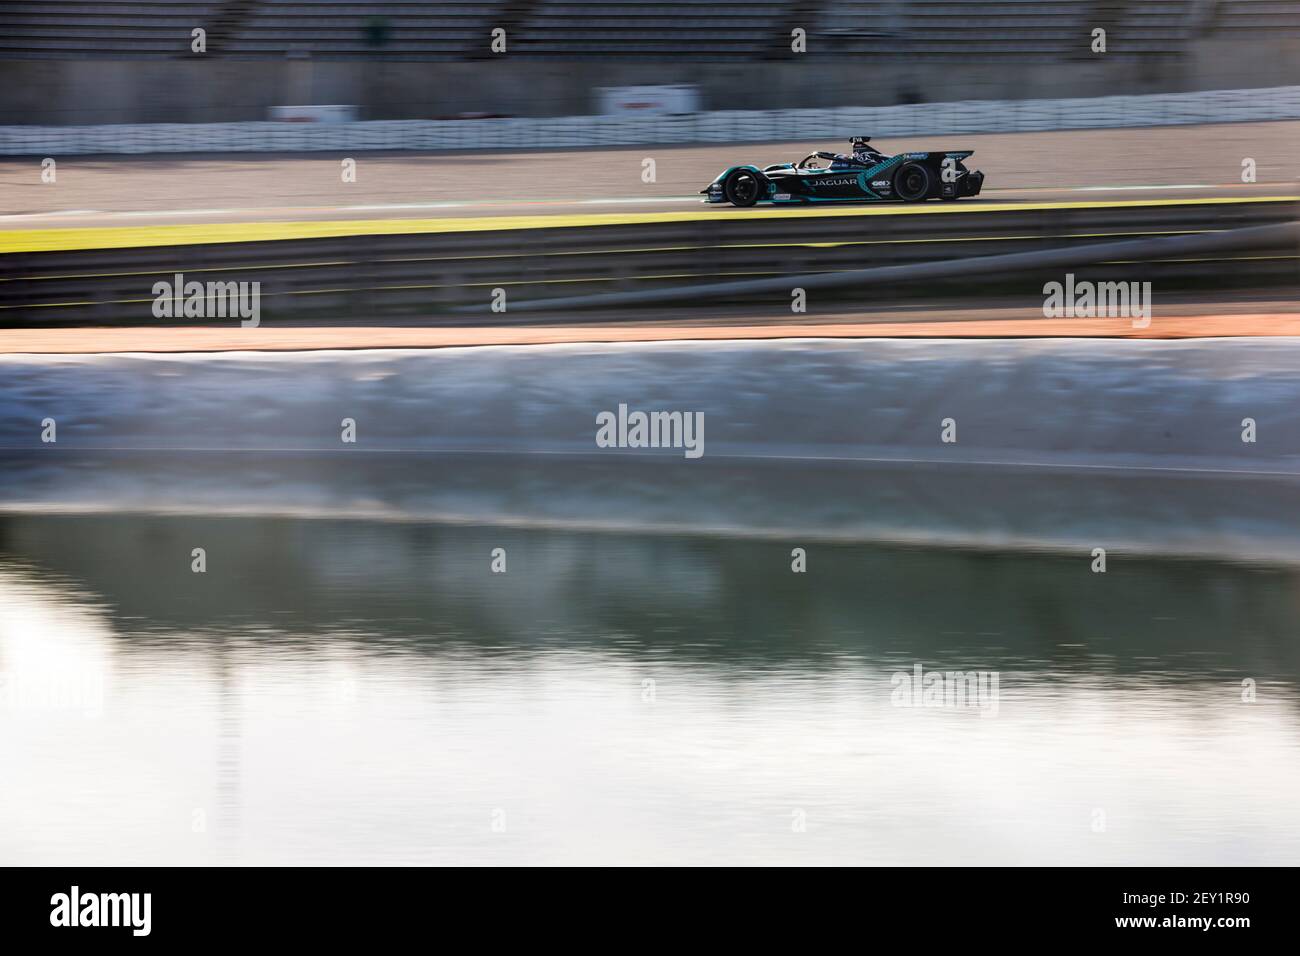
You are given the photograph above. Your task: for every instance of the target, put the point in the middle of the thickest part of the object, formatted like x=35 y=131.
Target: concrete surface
x=217 y=89
x=1061 y=444
x=1180 y=161
x=1176 y=321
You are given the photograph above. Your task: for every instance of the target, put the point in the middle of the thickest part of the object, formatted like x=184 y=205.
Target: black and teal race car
x=864 y=175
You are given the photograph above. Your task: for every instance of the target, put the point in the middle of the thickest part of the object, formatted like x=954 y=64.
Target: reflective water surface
x=371 y=692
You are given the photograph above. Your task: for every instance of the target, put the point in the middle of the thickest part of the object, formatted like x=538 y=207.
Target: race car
x=863 y=175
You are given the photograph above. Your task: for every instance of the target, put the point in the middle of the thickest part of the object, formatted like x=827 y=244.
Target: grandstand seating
x=1019 y=28
x=70 y=28
x=656 y=28
x=625 y=29
x=952 y=26
x=1255 y=17
x=449 y=29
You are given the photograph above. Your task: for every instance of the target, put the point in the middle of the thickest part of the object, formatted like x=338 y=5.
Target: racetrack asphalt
x=1062 y=166
x=99 y=201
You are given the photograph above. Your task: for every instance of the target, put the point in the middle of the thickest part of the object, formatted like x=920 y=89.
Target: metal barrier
x=577 y=132
x=357 y=278
x=1150 y=251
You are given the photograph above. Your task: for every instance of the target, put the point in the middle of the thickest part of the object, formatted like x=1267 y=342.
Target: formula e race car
x=864 y=175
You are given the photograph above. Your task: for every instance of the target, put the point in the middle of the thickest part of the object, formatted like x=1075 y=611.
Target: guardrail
x=356 y=278
x=1153 y=252
x=577 y=132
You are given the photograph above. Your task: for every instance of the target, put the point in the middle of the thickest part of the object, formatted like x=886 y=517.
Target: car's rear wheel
x=742 y=187
x=912 y=182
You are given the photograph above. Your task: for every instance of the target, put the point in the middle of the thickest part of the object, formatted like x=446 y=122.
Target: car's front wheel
x=742 y=187
x=912 y=182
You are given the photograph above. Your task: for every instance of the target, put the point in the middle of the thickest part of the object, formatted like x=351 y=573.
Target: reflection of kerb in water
x=1188 y=447
x=1158 y=403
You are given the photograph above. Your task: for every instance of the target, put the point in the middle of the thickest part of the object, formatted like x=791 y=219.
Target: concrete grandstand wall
x=214 y=89
x=1217 y=106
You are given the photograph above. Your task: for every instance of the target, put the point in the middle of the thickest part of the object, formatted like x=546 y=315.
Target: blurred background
x=65 y=62
x=229 y=635
x=183 y=124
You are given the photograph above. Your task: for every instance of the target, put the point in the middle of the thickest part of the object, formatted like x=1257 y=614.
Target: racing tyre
x=742 y=187
x=912 y=182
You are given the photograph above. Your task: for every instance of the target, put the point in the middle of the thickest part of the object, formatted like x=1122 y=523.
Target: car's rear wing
x=937 y=156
